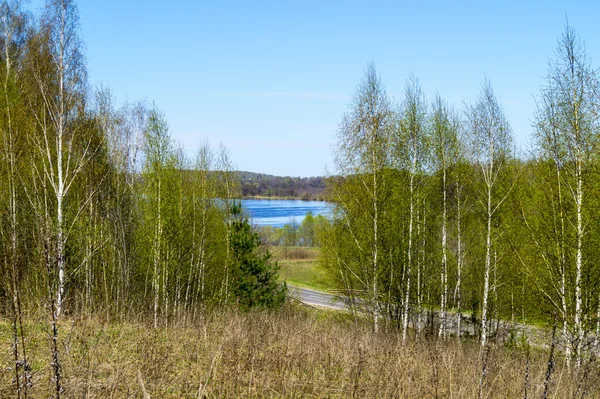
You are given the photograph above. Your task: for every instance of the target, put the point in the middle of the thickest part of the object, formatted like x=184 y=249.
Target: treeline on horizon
x=436 y=210
x=263 y=185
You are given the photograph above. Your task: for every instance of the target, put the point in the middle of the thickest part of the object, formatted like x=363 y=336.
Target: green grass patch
x=304 y=273
x=299 y=266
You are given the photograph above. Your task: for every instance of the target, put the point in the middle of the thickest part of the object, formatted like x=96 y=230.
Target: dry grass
x=282 y=253
x=293 y=353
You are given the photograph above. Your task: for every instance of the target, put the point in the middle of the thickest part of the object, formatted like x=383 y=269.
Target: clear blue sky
x=271 y=79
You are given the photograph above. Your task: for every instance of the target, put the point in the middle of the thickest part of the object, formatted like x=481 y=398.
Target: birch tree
x=410 y=144
x=490 y=147
x=62 y=87
x=444 y=129
x=566 y=135
x=458 y=186
x=228 y=191
x=13 y=125
x=123 y=129
x=158 y=151
x=207 y=230
x=361 y=158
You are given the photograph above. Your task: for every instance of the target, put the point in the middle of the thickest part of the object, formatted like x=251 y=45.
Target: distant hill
x=260 y=185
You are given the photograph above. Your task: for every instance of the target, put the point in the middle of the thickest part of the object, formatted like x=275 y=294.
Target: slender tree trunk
x=165 y=284
x=226 y=172
x=409 y=253
x=56 y=366
x=597 y=338
x=419 y=274
x=20 y=359
x=60 y=244
x=495 y=291
x=20 y=363
x=187 y=299
x=200 y=289
x=202 y=257
x=188 y=287
x=486 y=277
x=389 y=293
x=375 y=253
x=562 y=268
x=88 y=266
x=157 y=250
x=15 y=339
x=444 y=271
x=579 y=262
x=60 y=191
x=458 y=262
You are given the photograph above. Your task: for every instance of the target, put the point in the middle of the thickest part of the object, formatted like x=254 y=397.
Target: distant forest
x=263 y=185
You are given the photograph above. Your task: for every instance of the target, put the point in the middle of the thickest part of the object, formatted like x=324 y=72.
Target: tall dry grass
x=292 y=353
x=283 y=253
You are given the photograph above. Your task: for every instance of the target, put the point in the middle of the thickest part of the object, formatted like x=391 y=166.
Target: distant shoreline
x=276 y=198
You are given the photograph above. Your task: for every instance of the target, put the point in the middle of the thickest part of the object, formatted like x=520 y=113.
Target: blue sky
x=271 y=79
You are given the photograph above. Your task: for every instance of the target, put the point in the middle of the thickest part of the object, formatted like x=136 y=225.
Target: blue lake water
x=278 y=213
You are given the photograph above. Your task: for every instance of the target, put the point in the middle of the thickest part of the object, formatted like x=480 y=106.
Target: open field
x=292 y=353
x=299 y=266
x=303 y=274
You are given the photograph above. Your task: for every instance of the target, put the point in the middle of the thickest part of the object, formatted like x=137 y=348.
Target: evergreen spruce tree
x=255 y=278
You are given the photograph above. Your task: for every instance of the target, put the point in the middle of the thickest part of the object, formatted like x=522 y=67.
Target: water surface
x=278 y=213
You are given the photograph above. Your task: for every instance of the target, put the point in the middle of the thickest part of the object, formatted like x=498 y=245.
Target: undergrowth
x=290 y=353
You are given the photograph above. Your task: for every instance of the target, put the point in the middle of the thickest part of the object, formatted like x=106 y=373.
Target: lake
x=278 y=213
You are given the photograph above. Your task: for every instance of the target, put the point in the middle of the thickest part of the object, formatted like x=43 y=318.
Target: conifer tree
x=255 y=278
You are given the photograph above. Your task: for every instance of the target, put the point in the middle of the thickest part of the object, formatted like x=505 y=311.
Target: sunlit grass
x=304 y=274
x=296 y=352
x=299 y=266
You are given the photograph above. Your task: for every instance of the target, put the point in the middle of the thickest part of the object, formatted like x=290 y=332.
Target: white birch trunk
x=157 y=248
x=579 y=263
x=597 y=338
x=186 y=299
x=486 y=277
x=563 y=271
x=60 y=244
x=419 y=282
x=409 y=261
x=375 y=253
x=60 y=191
x=444 y=271
x=202 y=257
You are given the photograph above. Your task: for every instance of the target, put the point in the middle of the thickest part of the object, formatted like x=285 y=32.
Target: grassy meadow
x=292 y=353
